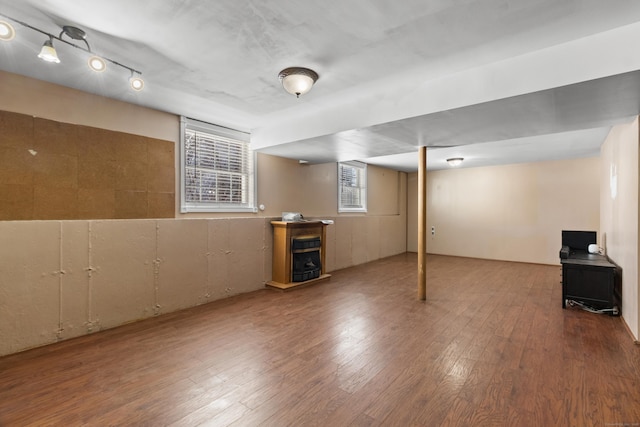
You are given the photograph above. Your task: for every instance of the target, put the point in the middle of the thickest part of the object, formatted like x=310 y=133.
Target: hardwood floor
x=491 y=346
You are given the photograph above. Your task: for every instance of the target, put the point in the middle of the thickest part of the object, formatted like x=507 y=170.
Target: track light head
x=7 y=32
x=97 y=64
x=48 y=52
x=136 y=82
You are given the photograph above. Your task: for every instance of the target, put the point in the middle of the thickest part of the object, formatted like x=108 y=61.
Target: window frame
x=188 y=124
x=363 y=188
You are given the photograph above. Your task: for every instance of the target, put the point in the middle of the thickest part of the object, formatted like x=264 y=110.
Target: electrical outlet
x=433 y=230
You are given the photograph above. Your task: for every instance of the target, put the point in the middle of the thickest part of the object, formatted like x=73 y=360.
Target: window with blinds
x=352 y=187
x=217 y=172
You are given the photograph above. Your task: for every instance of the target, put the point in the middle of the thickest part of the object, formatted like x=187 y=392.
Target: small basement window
x=217 y=172
x=352 y=187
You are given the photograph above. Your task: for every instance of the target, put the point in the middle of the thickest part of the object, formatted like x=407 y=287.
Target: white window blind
x=217 y=171
x=352 y=187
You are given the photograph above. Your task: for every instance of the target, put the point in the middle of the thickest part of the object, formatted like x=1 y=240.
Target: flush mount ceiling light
x=48 y=52
x=455 y=161
x=297 y=80
x=6 y=31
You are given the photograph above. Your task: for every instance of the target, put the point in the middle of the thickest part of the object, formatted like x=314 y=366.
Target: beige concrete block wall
x=183 y=254
x=37 y=98
x=313 y=190
x=62 y=279
x=30 y=284
x=75 y=307
x=512 y=212
x=122 y=285
x=238 y=257
x=619 y=216
x=356 y=240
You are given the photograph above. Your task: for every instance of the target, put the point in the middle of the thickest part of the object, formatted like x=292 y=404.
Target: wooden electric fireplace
x=298 y=253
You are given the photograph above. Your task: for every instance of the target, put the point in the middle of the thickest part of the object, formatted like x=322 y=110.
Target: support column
x=422 y=224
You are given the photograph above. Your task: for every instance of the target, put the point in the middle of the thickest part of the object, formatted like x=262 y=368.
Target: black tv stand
x=591 y=280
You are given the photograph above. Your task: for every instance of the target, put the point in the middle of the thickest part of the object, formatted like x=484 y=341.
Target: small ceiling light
x=455 y=161
x=6 y=31
x=97 y=64
x=297 y=81
x=136 y=82
x=48 y=52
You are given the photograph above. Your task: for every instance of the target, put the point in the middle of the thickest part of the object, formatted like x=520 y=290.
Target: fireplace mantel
x=284 y=232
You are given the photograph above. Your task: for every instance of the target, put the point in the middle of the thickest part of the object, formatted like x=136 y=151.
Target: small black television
x=579 y=240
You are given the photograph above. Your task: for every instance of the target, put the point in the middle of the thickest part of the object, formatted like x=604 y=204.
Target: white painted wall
x=619 y=213
x=25 y=95
x=512 y=212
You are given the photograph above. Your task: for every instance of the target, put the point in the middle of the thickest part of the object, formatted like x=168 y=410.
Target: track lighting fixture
x=48 y=52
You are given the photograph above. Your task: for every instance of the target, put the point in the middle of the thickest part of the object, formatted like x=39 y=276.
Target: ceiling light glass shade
x=97 y=64
x=6 y=31
x=297 y=81
x=136 y=83
x=455 y=161
x=48 y=52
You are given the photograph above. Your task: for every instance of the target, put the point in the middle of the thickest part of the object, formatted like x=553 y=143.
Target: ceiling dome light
x=48 y=52
x=97 y=64
x=297 y=81
x=455 y=161
x=6 y=31
x=136 y=83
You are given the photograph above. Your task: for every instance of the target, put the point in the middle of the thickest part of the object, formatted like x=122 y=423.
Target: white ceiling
x=494 y=81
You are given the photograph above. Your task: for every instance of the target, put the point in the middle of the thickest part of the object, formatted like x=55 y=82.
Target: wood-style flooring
x=491 y=346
